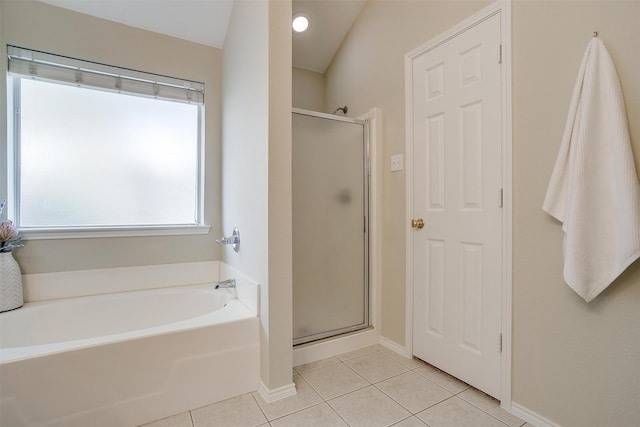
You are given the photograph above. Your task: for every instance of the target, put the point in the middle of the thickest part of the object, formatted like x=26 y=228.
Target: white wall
x=40 y=26
x=256 y=168
x=575 y=364
x=245 y=136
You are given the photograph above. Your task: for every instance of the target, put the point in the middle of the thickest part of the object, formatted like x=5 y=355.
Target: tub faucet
x=229 y=283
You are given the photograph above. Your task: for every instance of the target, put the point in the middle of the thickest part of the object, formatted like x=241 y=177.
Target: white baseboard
x=392 y=345
x=531 y=417
x=324 y=349
x=279 y=393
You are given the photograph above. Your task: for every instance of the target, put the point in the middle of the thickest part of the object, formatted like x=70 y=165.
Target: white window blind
x=46 y=66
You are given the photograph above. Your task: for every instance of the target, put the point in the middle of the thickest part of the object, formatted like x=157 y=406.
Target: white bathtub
x=125 y=359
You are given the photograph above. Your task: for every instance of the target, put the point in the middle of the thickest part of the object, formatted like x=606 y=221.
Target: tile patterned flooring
x=370 y=387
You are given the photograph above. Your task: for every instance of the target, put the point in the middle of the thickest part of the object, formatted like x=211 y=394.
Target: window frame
x=75 y=232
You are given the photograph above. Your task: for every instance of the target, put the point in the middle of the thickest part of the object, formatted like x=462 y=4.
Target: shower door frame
x=366 y=143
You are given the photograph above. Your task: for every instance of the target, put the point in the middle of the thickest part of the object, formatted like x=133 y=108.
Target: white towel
x=594 y=188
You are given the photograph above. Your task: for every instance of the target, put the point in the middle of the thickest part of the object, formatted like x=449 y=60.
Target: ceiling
x=330 y=21
x=206 y=22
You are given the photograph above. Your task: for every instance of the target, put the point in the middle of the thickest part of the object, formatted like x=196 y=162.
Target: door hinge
x=500 y=54
x=502 y=197
x=500 y=343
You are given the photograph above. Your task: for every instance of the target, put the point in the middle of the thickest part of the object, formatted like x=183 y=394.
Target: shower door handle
x=417 y=223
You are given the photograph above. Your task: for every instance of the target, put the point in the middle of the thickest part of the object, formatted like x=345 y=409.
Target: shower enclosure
x=330 y=226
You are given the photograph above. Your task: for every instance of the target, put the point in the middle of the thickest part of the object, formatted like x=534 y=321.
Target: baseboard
x=279 y=393
x=394 y=346
x=531 y=417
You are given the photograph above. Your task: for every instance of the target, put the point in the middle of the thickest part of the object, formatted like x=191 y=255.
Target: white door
x=457 y=176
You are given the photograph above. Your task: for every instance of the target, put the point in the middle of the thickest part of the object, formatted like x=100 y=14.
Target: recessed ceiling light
x=300 y=23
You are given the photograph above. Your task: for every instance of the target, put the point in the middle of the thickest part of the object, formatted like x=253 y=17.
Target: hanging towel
x=594 y=190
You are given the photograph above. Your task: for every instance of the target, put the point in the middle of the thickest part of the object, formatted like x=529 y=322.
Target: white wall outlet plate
x=397 y=163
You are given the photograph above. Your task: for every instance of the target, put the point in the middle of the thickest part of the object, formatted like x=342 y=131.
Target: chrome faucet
x=229 y=283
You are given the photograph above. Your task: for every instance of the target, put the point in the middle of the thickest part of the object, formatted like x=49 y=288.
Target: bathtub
x=127 y=358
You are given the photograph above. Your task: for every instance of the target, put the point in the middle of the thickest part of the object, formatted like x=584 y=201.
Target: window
x=98 y=147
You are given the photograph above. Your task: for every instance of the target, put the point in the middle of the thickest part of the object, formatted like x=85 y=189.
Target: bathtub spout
x=230 y=283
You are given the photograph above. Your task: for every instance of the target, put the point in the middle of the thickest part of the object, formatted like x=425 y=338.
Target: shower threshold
x=328 y=336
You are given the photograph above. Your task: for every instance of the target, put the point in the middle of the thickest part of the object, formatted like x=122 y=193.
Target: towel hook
x=595 y=34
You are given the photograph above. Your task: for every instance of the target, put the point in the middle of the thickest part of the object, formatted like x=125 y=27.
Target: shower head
x=343 y=109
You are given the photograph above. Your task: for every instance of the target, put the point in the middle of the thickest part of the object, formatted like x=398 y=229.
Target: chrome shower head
x=343 y=109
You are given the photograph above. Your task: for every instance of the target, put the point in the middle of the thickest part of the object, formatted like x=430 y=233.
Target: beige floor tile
x=368 y=407
x=315 y=365
x=490 y=405
x=241 y=411
x=410 y=422
x=455 y=412
x=414 y=392
x=376 y=366
x=441 y=378
x=356 y=353
x=304 y=398
x=334 y=380
x=379 y=347
x=317 y=416
x=409 y=363
x=180 y=420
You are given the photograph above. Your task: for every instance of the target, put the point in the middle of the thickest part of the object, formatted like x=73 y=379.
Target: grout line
x=349 y=392
x=312 y=388
x=477 y=407
x=320 y=367
x=390 y=397
x=295 y=412
x=340 y=395
x=193 y=423
x=260 y=407
x=423 y=409
x=323 y=402
x=337 y=413
x=405 y=419
x=392 y=376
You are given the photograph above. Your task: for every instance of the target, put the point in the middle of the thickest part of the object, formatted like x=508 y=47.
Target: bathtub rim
x=234 y=311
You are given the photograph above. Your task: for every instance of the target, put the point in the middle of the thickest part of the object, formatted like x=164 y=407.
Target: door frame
x=503 y=8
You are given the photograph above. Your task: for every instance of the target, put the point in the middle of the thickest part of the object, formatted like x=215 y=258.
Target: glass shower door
x=330 y=280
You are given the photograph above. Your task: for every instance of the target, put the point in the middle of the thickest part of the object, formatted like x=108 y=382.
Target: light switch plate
x=397 y=163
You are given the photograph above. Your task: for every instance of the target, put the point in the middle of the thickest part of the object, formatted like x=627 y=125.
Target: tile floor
x=369 y=387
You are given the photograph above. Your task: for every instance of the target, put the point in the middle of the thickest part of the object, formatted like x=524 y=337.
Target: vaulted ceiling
x=206 y=22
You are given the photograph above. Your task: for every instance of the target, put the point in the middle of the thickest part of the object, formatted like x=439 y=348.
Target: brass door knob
x=417 y=223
